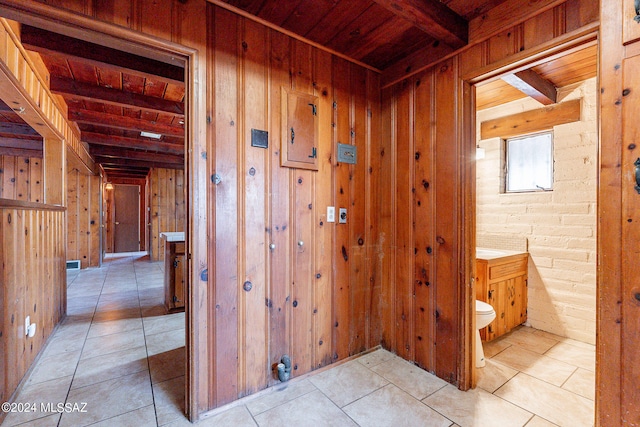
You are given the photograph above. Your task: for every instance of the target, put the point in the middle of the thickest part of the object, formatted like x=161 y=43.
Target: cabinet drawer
x=179 y=248
x=510 y=269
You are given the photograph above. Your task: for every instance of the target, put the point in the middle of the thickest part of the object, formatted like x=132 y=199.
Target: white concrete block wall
x=557 y=227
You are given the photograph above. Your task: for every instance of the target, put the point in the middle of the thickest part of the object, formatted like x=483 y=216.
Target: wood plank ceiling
x=376 y=32
x=113 y=96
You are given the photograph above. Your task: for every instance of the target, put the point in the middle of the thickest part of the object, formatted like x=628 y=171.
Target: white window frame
x=542 y=184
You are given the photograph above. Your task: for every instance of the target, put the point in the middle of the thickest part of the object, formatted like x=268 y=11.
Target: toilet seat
x=483 y=308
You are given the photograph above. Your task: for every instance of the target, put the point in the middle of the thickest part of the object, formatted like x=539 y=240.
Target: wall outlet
x=331 y=214
x=343 y=216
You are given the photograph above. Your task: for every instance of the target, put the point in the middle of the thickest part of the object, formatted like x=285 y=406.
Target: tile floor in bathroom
x=121 y=354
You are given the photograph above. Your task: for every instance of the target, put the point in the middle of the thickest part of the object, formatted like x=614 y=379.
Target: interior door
x=127 y=218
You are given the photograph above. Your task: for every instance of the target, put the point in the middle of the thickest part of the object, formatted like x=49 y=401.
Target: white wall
x=558 y=227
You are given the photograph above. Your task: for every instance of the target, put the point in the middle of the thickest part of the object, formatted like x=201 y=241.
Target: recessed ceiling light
x=150 y=135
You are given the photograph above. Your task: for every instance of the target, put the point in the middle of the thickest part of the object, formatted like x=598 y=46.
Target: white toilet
x=484 y=315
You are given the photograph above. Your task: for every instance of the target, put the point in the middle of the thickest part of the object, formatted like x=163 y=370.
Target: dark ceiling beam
x=20 y=152
x=11 y=128
x=432 y=17
x=49 y=43
x=136 y=163
x=75 y=89
x=134 y=143
x=534 y=85
x=112 y=173
x=113 y=121
x=26 y=144
x=129 y=154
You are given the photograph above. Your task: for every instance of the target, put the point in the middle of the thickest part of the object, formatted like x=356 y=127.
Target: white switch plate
x=27 y=323
x=331 y=214
x=343 y=216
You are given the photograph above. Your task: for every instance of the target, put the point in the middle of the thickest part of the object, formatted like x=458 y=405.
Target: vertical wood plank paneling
x=255 y=222
x=322 y=343
x=22 y=178
x=379 y=194
x=357 y=211
x=539 y=29
x=36 y=189
x=84 y=202
x=425 y=343
x=387 y=217
x=341 y=284
x=33 y=285
x=180 y=201
x=446 y=156
x=405 y=249
x=95 y=257
x=279 y=303
x=9 y=177
x=156 y=250
x=170 y=205
x=73 y=197
x=226 y=333
x=303 y=226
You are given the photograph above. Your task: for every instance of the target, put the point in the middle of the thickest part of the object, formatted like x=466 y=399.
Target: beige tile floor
x=122 y=355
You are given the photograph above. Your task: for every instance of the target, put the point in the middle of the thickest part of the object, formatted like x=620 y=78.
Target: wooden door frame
x=84 y=27
x=562 y=45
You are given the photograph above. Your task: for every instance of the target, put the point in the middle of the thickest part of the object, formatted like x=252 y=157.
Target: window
x=529 y=163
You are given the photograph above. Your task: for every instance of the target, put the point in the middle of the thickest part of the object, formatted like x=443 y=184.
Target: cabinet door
x=179 y=274
x=497 y=299
x=299 y=130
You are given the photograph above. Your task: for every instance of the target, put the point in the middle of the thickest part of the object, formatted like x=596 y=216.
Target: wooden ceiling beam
x=114 y=121
x=117 y=161
x=75 y=89
x=49 y=43
x=26 y=144
x=432 y=17
x=534 y=85
x=129 y=154
x=138 y=144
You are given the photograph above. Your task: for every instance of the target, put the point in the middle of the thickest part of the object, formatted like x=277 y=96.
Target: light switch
x=343 y=216
x=331 y=214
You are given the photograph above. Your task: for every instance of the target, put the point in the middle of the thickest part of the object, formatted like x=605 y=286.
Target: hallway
x=117 y=351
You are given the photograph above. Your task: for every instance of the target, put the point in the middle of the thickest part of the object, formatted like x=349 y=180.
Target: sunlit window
x=529 y=163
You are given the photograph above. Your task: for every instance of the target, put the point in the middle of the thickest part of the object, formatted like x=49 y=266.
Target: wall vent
x=73 y=265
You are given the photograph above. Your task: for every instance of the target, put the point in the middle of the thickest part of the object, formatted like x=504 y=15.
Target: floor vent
x=73 y=265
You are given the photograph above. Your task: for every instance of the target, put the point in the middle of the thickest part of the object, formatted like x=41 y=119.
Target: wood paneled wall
x=33 y=284
x=21 y=179
x=618 y=318
x=425 y=129
x=167 y=202
x=83 y=218
x=312 y=295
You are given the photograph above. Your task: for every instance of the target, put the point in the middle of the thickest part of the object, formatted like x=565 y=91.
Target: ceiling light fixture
x=151 y=135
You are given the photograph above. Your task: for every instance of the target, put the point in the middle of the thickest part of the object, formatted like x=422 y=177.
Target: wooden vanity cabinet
x=174 y=275
x=502 y=282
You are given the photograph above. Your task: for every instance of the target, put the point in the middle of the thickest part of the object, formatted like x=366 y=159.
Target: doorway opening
x=553 y=222
x=127 y=42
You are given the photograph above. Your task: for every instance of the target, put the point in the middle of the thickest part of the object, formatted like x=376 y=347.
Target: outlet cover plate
x=331 y=214
x=342 y=219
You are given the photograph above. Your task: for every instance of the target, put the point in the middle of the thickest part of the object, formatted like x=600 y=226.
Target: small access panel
x=299 y=130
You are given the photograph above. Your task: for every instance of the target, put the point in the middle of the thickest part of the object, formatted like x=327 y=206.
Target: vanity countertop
x=489 y=254
x=173 y=236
